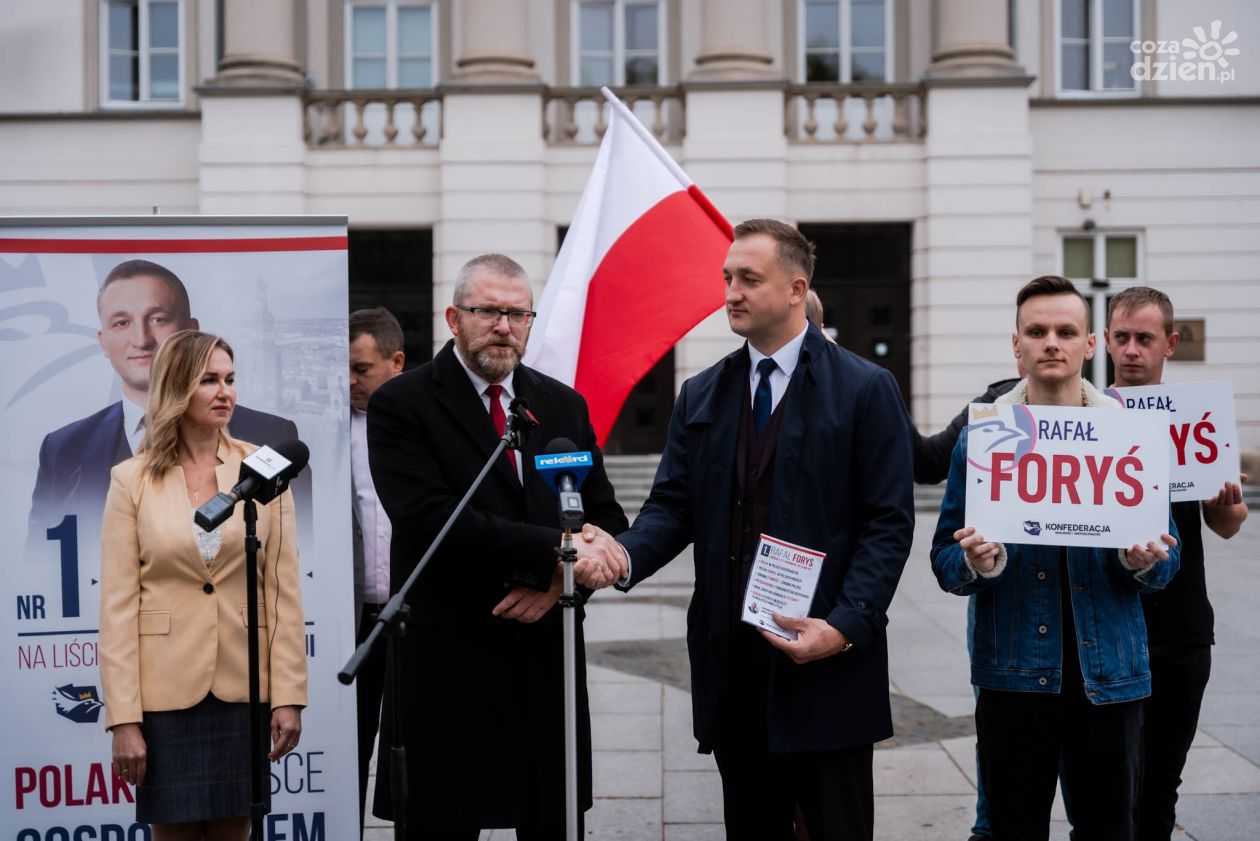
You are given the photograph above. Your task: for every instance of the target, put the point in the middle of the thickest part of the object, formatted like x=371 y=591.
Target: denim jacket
x=1017 y=641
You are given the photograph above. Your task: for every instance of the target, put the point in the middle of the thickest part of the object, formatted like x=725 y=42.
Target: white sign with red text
x=1204 y=436
x=783 y=580
x=1058 y=476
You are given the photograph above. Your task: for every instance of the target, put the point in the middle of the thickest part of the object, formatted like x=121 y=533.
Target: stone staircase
x=632 y=476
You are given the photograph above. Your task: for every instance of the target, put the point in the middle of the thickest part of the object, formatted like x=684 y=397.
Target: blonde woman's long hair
x=177 y=370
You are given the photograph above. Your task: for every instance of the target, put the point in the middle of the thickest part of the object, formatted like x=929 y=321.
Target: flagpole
x=646 y=136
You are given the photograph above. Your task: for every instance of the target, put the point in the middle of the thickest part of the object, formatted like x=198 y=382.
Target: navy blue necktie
x=762 y=400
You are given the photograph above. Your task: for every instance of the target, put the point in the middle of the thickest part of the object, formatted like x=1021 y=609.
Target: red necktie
x=499 y=419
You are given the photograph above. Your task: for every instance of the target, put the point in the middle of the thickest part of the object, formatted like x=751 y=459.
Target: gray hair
x=497 y=263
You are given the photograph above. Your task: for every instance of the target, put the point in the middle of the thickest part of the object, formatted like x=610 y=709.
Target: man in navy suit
x=793 y=437
x=140 y=303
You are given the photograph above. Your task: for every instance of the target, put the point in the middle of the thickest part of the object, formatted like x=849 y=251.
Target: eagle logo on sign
x=1018 y=434
x=80 y=704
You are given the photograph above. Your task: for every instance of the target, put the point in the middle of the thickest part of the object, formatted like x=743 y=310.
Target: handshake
x=601 y=561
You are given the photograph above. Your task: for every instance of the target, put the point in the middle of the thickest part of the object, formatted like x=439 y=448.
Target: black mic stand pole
x=257 y=748
x=392 y=622
x=568 y=601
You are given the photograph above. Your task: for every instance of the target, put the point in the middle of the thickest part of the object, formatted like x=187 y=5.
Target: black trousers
x=368 y=686
x=545 y=832
x=761 y=791
x=1179 y=676
x=1022 y=736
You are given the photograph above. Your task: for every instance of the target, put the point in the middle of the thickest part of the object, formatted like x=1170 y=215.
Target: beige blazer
x=173 y=627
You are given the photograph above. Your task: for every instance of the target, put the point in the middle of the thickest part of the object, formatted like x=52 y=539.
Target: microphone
x=265 y=474
x=525 y=420
x=565 y=470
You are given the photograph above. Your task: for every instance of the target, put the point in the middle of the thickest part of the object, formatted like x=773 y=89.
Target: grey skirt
x=198 y=763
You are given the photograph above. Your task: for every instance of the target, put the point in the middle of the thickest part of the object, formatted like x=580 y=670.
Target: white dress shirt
x=373 y=521
x=505 y=398
x=785 y=358
x=133 y=424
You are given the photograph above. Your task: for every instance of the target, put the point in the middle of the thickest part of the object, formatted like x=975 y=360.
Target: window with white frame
x=390 y=44
x=845 y=40
x=141 y=44
x=1093 y=49
x=1100 y=255
x=618 y=42
x=1102 y=263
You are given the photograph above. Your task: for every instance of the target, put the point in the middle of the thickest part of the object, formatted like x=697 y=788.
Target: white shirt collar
x=480 y=383
x=785 y=357
x=133 y=414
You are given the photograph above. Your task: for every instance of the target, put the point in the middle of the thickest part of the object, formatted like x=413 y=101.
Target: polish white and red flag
x=640 y=266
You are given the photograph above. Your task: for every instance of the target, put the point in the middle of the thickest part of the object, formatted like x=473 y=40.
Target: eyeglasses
x=490 y=315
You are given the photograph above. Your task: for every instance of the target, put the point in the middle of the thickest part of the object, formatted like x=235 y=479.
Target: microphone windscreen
x=296 y=452
x=559 y=445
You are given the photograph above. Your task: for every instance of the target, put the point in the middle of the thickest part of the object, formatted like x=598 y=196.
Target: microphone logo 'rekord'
x=563 y=460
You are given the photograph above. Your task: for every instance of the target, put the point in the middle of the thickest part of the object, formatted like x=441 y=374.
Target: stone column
x=973 y=245
x=492 y=156
x=971 y=40
x=494 y=42
x=732 y=41
x=252 y=154
x=259 y=45
x=734 y=113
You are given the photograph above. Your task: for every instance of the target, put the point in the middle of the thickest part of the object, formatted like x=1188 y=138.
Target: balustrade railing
x=579 y=116
x=855 y=113
x=372 y=118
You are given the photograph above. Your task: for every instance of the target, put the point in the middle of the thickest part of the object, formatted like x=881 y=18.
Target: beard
x=492 y=357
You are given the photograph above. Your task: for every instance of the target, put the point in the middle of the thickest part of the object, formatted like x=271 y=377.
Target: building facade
x=940 y=153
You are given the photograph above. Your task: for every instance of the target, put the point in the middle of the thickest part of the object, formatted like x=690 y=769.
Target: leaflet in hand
x=783 y=580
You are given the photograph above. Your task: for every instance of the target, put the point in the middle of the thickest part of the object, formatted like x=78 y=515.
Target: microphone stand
x=392 y=621
x=568 y=601
x=256 y=746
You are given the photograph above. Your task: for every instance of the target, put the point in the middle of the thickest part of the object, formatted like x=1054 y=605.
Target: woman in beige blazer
x=173 y=649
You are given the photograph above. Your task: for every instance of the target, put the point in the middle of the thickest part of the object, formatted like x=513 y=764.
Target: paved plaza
x=651 y=785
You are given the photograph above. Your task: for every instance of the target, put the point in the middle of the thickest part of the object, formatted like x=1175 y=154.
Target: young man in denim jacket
x=1059 y=645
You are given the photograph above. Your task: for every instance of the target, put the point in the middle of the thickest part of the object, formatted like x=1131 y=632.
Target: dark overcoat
x=842 y=484
x=484 y=712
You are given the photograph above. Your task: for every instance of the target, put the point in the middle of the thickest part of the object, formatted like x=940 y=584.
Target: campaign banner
x=1059 y=476
x=1202 y=433
x=73 y=383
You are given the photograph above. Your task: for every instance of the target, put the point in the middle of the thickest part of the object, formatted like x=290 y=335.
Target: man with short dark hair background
x=376 y=356
x=1052 y=647
x=140 y=303
x=797 y=438
x=1179 y=619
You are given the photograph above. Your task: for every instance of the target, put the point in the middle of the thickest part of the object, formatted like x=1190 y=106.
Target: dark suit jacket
x=75 y=460
x=842 y=484
x=485 y=702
